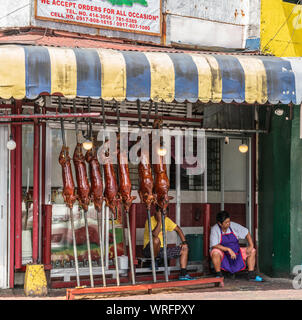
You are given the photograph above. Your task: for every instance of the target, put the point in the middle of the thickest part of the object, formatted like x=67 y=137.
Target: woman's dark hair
x=221 y=216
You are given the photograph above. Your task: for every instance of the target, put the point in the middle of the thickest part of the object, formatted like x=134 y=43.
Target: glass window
x=196 y=182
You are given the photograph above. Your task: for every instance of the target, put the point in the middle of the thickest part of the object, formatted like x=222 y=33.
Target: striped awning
x=28 y=71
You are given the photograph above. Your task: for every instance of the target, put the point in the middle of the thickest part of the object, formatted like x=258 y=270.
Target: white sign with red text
x=142 y=16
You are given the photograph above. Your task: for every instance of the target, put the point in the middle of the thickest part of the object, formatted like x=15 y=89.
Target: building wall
x=216 y=24
x=280 y=221
x=281 y=28
x=15 y=13
x=274 y=202
x=296 y=192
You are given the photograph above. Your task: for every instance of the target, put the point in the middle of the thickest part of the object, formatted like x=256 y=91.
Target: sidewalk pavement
x=234 y=289
x=238 y=289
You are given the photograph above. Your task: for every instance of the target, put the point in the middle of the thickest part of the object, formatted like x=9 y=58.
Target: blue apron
x=229 y=240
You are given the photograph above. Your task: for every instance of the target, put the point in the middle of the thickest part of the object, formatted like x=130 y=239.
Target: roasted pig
x=111 y=187
x=96 y=180
x=68 y=183
x=145 y=180
x=125 y=186
x=83 y=189
x=161 y=180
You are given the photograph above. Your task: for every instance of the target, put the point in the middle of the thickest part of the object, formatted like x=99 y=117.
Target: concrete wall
x=253 y=26
x=215 y=23
x=15 y=13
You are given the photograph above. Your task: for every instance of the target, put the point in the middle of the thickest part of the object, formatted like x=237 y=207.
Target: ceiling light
x=243 y=148
x=279 y=112
x=87 y=145
x=11 y=144
x=162 y=151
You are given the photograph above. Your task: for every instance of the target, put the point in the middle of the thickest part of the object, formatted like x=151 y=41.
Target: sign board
x=137 y=16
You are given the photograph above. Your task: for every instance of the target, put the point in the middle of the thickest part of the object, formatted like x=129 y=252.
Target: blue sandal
x=186 y=277
x=252 y=276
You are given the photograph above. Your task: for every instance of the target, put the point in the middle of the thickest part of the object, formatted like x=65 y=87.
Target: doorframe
x=4 y=206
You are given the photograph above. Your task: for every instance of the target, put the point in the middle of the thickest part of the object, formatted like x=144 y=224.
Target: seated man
x=172 y=252
x=225 y=251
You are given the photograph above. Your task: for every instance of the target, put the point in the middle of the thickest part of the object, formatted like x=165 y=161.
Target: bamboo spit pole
x=115 y=248
x=99 y=218
x=165 y=245
x=107 y=221
x=103 y=218
x=151 y=245
x=75 y=251
x=130 y=248
x=88 y=249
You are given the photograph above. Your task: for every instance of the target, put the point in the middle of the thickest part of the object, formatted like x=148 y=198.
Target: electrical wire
x=24 y=40
x=291 y=37
x=298 y=3
x=14 y=11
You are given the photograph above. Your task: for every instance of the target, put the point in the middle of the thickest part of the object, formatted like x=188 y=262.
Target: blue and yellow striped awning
x=28 y=71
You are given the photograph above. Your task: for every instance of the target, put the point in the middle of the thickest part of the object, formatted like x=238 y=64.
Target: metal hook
x=118 y=117
x=138 y=103
x=149 y=112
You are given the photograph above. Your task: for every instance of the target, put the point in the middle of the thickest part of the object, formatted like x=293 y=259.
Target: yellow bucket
x=35 y=283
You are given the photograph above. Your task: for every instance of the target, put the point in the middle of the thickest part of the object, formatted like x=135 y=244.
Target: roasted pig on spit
x=161 y=189
x=146 y=196
x=145 y=180
x=96 y=181
x=124 y=180
x=161 y=183
x=69 y=199
x=83 y=196
x=111 y=198
x=68 y=183
x=125 y=194
x=96 y=195
x=111 y=188
x=83 y=190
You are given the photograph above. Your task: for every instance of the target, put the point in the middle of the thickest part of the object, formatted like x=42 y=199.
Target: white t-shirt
x=215 y=236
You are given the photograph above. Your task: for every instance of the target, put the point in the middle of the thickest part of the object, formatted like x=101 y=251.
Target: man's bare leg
x=156 y=246
x=183 y=260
